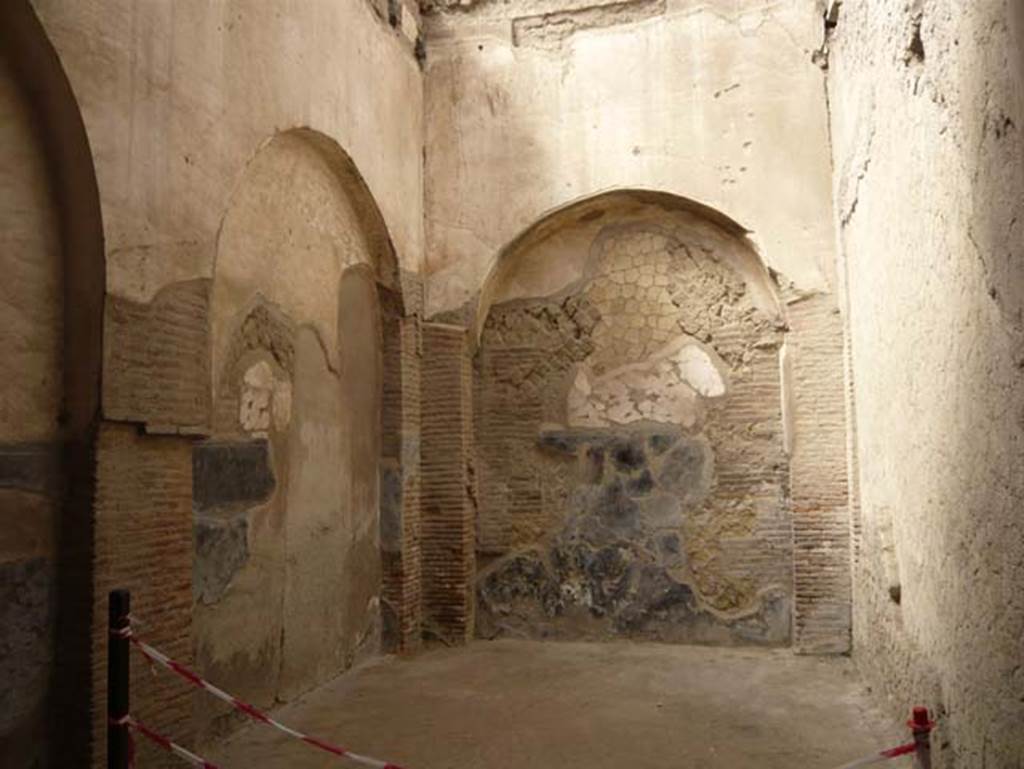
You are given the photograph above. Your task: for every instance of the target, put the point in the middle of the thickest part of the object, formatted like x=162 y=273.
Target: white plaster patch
x=698 y=370
x=264 y=398
x=667 y=387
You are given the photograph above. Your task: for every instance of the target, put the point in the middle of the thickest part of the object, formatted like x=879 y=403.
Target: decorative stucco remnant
x=665 y=388
x=631 y=461
x=264 y=397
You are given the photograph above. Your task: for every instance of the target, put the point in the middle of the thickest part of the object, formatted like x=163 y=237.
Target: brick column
x=818 y=477
x=400 y=481
x=448 y=510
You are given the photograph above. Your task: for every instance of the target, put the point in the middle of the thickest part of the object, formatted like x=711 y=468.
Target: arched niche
x=511 y=270
x=290 y=543
x=299 y=215
x=631 y=453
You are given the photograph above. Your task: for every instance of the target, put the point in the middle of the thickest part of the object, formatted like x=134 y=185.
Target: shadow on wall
x=52 y=310
x=631 y=454
x=287 y=566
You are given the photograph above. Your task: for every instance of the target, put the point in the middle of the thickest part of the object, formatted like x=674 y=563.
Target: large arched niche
x=511 y=270
x=286 y=497
x=52 y=308
x=630 y=440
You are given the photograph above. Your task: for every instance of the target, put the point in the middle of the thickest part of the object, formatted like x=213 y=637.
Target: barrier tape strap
x=885 y=755
x=257 y=715
x=164 y=742
x=154 y=655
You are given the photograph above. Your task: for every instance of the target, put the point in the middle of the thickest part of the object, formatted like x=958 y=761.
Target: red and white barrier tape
x=257 y=715
x=885 y=755
x=167 y=744
x=919 y=723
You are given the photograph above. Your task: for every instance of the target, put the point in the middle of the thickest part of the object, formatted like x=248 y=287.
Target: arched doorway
x=52 y=308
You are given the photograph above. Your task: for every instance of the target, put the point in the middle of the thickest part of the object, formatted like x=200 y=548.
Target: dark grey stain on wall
x=231 y=474
x=228 y=478
x=614 y=568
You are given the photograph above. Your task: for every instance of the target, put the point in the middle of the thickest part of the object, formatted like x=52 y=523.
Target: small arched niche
x=630 y=445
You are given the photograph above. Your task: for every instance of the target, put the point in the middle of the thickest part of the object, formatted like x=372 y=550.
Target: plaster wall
x=178 y=97
x=532 y=104
x=213 y=332
x=927 y=108
x=31 y=327
x=287 y=501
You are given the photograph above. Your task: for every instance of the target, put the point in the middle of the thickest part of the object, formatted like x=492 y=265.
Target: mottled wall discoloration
x=632 y=473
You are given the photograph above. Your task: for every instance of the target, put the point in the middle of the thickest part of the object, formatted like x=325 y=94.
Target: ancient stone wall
x=205 y=88
x=31 y=327
x=288 y=532
x=927 y=110
x=722 y=103
x=819 y=486
x=533 y=104
x=633 y=477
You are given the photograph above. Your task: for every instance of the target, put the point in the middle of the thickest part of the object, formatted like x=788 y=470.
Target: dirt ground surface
x=537 y=705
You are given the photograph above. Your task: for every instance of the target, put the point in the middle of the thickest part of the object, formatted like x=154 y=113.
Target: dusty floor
x=532 y=705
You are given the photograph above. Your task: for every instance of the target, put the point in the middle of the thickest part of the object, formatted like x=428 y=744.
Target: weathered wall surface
x=533 y=104
x=142 y=540
x=288 y=531
x=448 y=509
x=927 y=112
x=208 y=333
x=400 y=478
x=178 y=99
x=631 y=459
x=31 y=316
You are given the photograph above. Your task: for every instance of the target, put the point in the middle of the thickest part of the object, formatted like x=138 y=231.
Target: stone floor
x=532 y=705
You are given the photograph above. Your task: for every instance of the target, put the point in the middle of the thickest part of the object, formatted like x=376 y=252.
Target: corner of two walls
x=926 y=111
x=697 y=115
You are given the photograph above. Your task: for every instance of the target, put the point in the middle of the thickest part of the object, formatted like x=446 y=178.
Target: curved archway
x=618 y=202
x=631 y=449
x=57 y=234
x=301 y=194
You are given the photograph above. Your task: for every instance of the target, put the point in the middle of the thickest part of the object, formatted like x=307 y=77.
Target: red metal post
x=922 y=726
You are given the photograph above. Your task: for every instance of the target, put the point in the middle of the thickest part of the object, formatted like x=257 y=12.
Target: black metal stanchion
x=118 y=738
